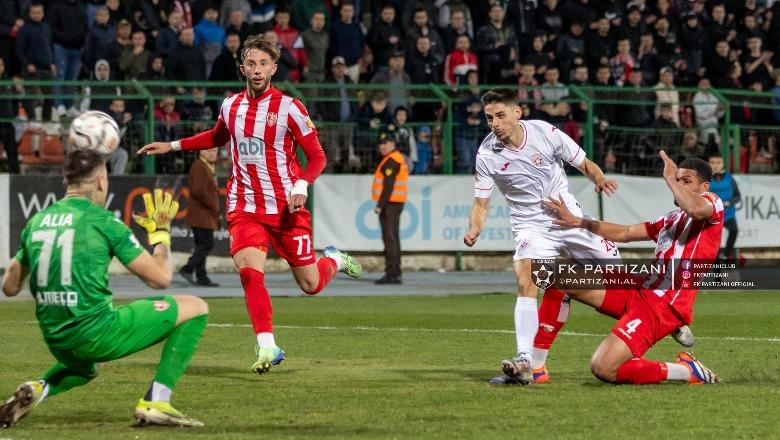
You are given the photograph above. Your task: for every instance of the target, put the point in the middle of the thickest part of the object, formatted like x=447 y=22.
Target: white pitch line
x=450 y=330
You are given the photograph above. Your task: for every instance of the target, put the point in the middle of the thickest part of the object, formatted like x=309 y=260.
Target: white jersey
x=530 y=174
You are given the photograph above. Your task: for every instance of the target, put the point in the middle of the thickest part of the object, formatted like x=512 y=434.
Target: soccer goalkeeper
x=67 y=248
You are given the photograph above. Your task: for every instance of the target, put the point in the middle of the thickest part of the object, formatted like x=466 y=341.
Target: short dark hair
x=262 y=44
x=715 y=154
x=80 y=164
x=500 y=94
x=702 y=168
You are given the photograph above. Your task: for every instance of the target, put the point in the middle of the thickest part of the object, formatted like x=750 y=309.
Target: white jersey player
x=524 y=161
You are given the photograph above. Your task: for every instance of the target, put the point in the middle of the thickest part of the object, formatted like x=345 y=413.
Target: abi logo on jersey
x=251 y=150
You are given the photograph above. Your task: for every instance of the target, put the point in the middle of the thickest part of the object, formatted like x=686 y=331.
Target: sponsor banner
x=29 y=194
x=5 y=222
x=641 y=199
x=435 y=216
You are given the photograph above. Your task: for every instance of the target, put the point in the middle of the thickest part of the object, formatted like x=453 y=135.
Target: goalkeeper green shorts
x=134 y=327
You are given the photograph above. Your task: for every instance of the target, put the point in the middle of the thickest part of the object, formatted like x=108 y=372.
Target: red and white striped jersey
x=263 y=133
x=686 y=248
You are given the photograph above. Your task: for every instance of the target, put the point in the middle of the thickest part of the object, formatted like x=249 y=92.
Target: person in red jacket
x=460 y=61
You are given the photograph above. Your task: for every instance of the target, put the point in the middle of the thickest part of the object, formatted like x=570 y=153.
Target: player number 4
x=632 y=325
x=301 y=239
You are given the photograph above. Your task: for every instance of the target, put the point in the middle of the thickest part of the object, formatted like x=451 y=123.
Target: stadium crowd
x=539 y=46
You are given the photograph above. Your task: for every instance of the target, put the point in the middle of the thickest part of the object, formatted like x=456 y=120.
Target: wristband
x=300 y=188
x=160 y=237
x=176 y=146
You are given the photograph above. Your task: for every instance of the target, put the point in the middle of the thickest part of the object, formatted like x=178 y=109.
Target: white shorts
x=577 y=244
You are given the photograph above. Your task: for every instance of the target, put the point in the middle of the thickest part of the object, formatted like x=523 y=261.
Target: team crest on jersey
x=271 y=119
x=537 y=159
x=543 y=273
x=161 y=306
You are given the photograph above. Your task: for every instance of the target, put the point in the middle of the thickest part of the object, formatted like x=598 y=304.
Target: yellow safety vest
x=401 y=185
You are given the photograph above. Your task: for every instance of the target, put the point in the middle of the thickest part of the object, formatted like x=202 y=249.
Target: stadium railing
x=602 y=119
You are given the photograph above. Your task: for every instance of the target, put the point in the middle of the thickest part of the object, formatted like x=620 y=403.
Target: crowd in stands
x=540 y=46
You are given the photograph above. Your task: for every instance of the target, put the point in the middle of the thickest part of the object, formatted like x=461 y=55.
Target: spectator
x=202 y=216
x=237 y=24
x=600 y=44
x=421 y=28
x=10 y=23
x=549 y=18
x=366 y=66
x=725 y=186
x=622 y=63
x=99 y=38
x=346 y=39
x=580 y=76
x=448 y=10
x=666 y=93
x=404 y=136
x=101 y=74
x=719 y=27
x=708 y=110
x=186 y=62
x=634 y=115
x=761 y=157
x=226 y=66
x=522 y=14
x=33 y=50
x=117 y=160
x=603 y=116
x=262 y=15
x=343 y=112
x=146 y=16
x=197 y=111
x=647 y=59
x=373 y=118
x=528 y=92
x=456 y=27
x=133 y=60
x=117 y=12
x=315 y=43
x=570 y=46
x=757 y=64
x=384 y=37
x=471 y=128
x=666 y=42
x=209 y=37
x=155 y=68
x=579 y=11
x=286 y=63
x=691 y=146
x=692 y=41
x=665 y=136
x=302 y=11
x=423 y=67
x=397 y=79
x=424 y=151
x=412 y=7
x=718 y=64
x=633 y=27
x=227 y=9
x=496 y=47
x=7 y=130
x=460 y=61
x=538 y=56
x=167 y=130
x=68 y=22
x=553 y=94
x=750 y=28
x=168 y=37
x=290 y=38
x=123 y=40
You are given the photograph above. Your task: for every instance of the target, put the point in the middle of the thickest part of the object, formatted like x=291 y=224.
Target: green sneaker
x=266 y=357
x=162 y=413
x=352 y=267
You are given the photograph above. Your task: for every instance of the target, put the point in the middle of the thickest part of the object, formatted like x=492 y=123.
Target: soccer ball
x=94 y=130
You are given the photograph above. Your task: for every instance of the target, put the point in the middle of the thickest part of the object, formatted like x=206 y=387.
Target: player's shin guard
x=60 y=378
x=327 y=268
x=641 y=371
x=258 y=302
x=553 y=314
x=178 y=350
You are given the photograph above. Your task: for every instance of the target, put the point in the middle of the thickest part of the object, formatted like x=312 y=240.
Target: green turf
x=403 y=367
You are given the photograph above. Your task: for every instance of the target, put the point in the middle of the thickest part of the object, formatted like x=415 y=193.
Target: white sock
x=45 y=391
x=160 y=392
x=540 y=357
x=526 y=324
x=677 y=372
x=339 y=261
x=266 y=339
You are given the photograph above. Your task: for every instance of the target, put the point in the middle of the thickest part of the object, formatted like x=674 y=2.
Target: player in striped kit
x=267 y=189
x=687 y=242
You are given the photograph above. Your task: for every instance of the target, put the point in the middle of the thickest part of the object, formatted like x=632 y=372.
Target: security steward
x=389 y=190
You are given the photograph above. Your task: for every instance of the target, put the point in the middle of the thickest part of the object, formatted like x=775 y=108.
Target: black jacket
x=379 y=41
x=226 y=67
x=68 y=21
x=33 y=45
x=331 y=110
x=424 y=69
x=186 y=63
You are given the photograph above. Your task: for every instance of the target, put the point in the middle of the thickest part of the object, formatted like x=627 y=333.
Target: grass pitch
x=415 y=367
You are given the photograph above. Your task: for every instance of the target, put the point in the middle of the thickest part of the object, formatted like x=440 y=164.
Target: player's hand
x=470 y=238
x=296 y=199
x=159 y=213
x=155 y=148
x=607 y=186
x=565 y=217
x=670 y=168
x=377 y=210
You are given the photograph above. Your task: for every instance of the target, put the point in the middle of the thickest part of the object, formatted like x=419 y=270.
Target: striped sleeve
x=717 y=207
x=483 y=183
x=299 y=121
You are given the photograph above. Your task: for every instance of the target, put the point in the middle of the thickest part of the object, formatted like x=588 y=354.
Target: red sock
x=553 y=314
x=327 y=269
x=641 y=371
x=258 y=302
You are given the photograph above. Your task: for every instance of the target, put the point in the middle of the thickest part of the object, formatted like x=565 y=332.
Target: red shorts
x=290 y=238
x=643 y=317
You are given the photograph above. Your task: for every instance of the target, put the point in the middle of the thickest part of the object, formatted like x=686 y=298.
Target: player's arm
x=477 y=220
x=305 y=134
x=155 y=270
x=595 y=175
x=610 y=231
x=216 y=136
x=14 y=277
x=695 y=205
x=565 y=148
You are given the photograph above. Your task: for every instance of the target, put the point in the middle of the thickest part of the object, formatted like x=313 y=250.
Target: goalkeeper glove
x=159 y=213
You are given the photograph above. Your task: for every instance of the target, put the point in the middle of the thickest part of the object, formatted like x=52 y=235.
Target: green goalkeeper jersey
x=68 y=247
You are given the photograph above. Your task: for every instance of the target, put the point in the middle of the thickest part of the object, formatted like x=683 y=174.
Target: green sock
x=60 y=379
x=178 y=350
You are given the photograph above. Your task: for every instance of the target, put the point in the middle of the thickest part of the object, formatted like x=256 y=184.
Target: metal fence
x=620 y=128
